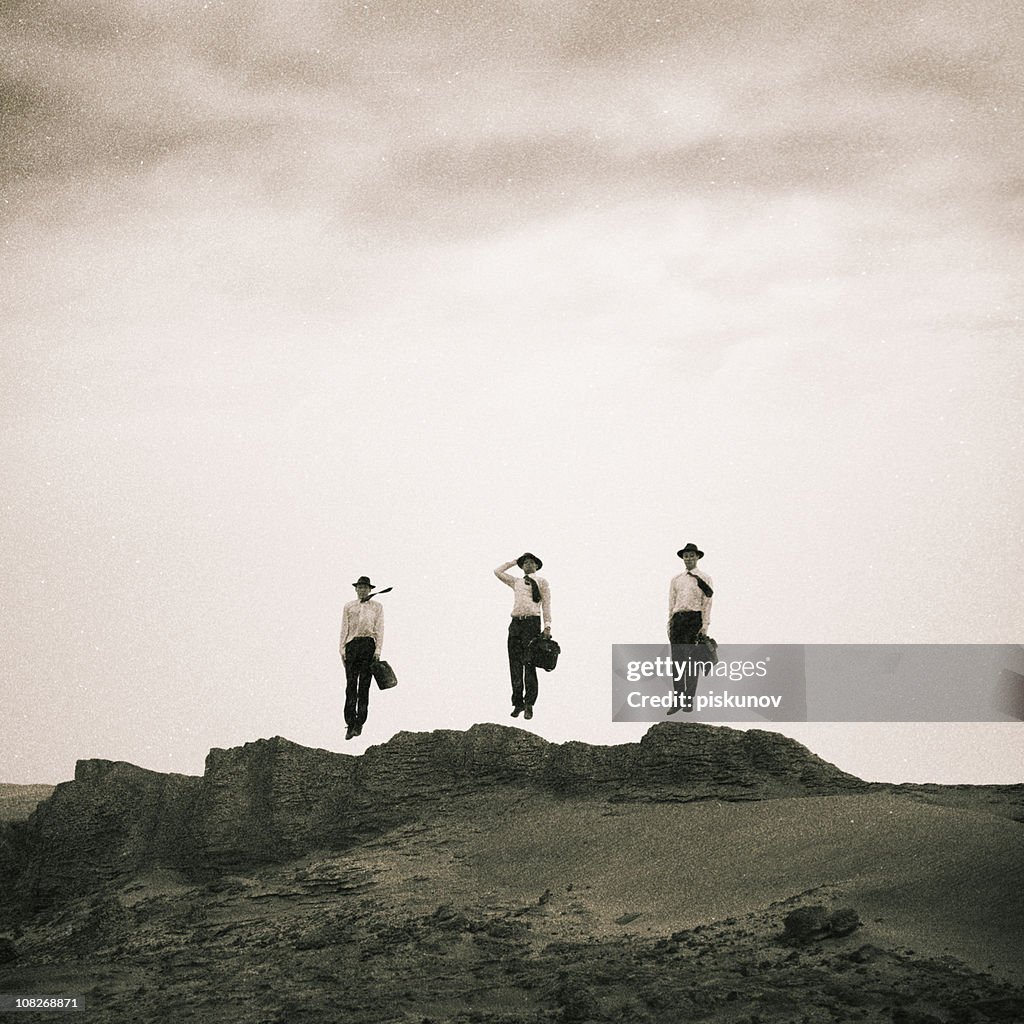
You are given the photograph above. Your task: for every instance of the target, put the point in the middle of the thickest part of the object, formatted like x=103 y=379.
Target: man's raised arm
x=509 y=581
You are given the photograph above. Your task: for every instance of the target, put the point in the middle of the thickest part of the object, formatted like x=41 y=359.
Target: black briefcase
x=542 y=652
x=384 y=674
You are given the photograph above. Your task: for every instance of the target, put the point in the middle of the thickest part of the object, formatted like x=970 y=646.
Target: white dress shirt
x=363 y=618
x=685 y=596
x=523 y=602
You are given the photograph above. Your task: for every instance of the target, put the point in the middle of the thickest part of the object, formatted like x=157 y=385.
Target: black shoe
x=357 y=730
x=528 y=713
x=516 y=712
x=672 y=710
x=351 y=732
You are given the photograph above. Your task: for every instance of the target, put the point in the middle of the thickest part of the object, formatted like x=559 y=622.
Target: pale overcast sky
x=298 y=292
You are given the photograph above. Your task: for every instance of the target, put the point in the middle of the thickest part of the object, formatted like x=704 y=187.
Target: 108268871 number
x=19 y=1002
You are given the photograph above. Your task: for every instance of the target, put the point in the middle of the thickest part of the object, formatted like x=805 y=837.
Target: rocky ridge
x=272 y=800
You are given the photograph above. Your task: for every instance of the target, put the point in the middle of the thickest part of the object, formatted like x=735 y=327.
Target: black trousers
x=524 y=677
x=358 y=659
x=683 y=631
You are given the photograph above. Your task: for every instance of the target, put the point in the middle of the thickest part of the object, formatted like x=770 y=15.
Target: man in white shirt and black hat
x=689 y=619
x=531 y=600
x=362 y=637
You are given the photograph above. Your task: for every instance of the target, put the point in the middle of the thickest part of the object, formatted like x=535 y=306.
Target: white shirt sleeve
x=545 y=602
x=509 y=581
x=378 y=629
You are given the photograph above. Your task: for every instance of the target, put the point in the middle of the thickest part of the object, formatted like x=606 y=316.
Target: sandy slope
x=937 y=879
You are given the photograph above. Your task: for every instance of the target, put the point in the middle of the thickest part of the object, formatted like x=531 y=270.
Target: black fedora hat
x=691 y=549
x=528 y=554
x=363 y=581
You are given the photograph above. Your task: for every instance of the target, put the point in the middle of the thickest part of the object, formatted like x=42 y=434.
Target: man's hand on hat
x=547 y=631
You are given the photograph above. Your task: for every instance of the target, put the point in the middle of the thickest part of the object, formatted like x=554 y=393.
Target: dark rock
x=867 y=954
x=843 y=921
x=806 y=923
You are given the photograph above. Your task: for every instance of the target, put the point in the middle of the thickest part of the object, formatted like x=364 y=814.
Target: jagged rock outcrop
x=272 y=800
x=114 y=819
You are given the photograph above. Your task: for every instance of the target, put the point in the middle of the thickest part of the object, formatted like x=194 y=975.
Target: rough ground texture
x=490 y=876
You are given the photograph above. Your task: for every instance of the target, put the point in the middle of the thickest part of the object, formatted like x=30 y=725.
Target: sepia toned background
x=294 y=293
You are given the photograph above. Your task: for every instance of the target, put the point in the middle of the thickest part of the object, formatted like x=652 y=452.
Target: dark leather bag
x=542 y=652
x=707 y=649
x=384 y=674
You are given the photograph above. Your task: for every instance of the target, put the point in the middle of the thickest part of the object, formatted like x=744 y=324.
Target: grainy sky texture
x=297 y=292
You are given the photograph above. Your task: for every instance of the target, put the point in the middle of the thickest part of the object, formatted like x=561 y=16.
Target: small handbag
x=542 y=652
x=710 y=646
x=384 y=674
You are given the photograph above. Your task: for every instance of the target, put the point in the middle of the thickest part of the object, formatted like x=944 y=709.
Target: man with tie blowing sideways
x=532 y=596
x=362 y=636
x=689 y=617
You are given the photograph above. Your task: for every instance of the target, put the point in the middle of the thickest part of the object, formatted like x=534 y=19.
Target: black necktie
x=705 y=588
x=534 y=588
